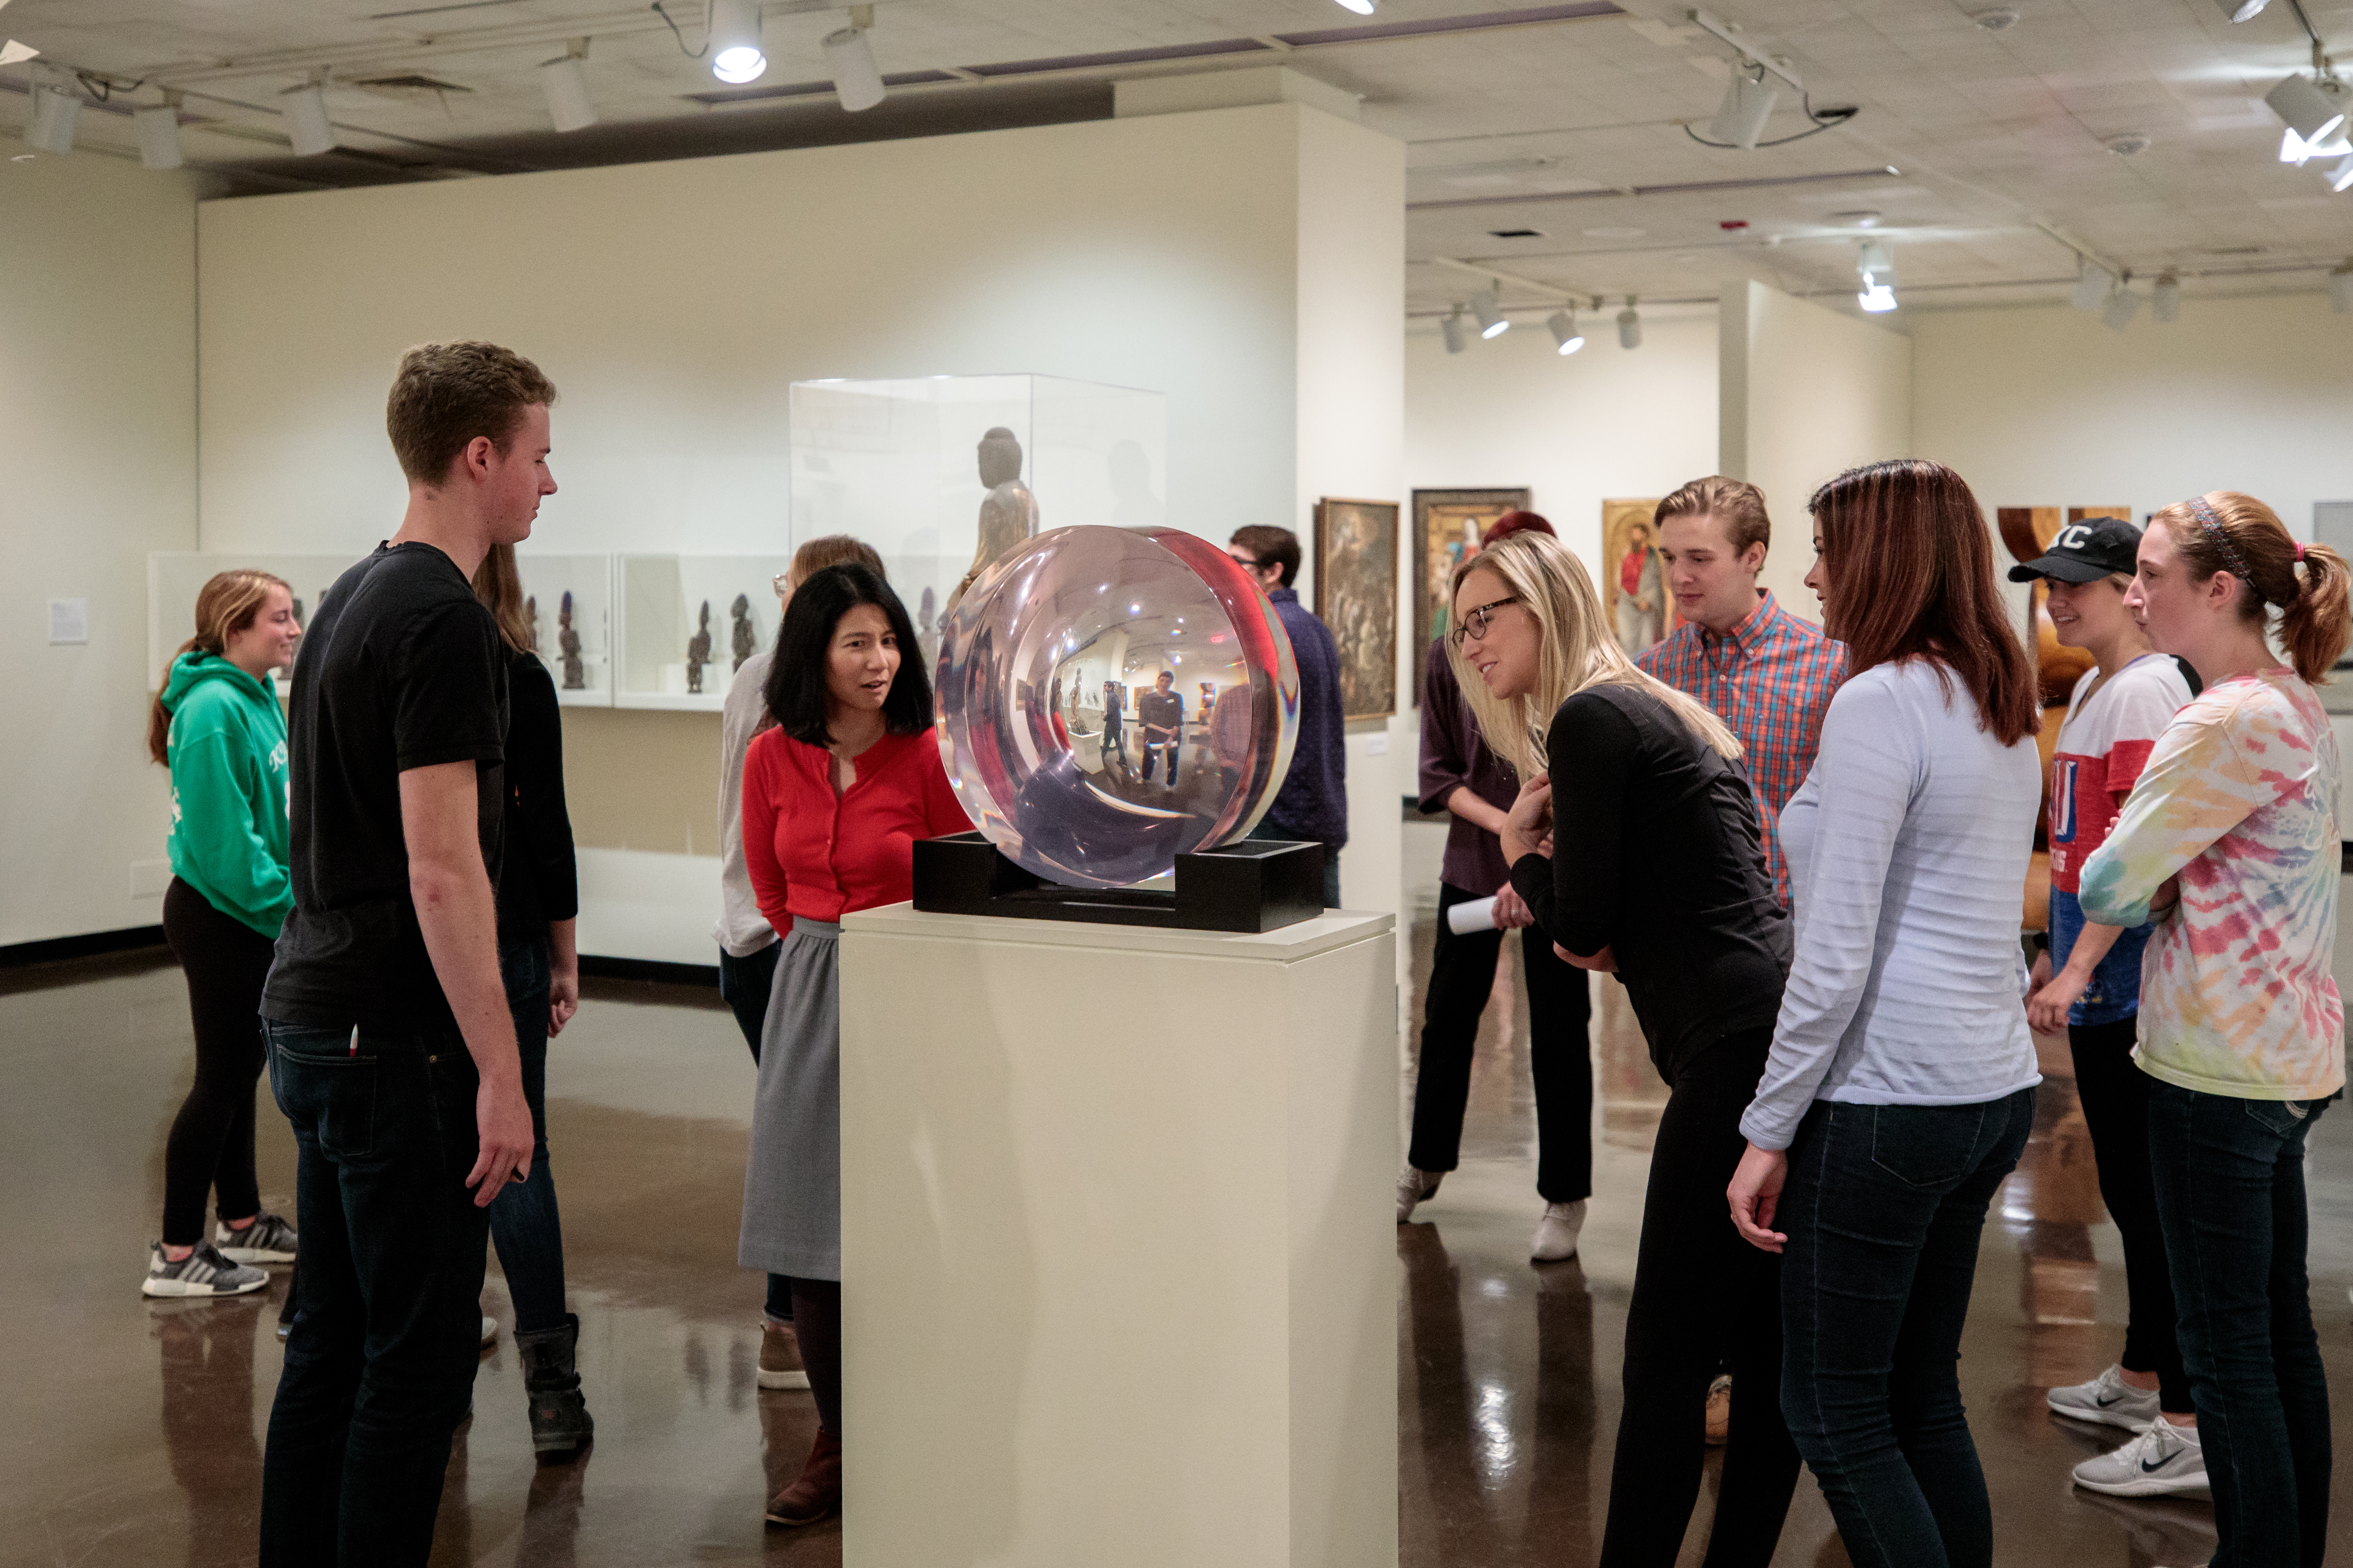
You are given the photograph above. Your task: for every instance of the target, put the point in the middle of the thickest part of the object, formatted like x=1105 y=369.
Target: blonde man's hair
x=1575 y=650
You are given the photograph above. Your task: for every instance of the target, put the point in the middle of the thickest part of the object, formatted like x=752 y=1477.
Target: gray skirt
x=792 y=1182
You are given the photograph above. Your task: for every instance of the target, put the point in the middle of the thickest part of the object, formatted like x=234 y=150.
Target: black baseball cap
x=2086 y=551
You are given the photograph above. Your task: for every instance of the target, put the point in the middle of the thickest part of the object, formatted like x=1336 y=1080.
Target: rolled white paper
x=1477 y=915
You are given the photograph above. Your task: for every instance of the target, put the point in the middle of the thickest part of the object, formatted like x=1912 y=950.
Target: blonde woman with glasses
x=1635 y=843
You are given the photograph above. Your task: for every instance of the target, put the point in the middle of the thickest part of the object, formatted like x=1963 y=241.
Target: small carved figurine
x=531 y=619
x=567 y=641
x=698 y=650
x=741 y=638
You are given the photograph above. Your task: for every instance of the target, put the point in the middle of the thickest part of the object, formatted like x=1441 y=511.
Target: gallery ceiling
x=1550 y=144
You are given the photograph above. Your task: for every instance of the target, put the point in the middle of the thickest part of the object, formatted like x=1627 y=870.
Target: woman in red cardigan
x=834 y=799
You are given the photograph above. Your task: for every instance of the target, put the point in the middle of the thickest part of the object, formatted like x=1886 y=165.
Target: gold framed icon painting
x=1633 y=579
x=1356 y=596
x=1447 y=527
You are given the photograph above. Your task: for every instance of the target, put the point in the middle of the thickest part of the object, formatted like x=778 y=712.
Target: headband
x=2212 y=525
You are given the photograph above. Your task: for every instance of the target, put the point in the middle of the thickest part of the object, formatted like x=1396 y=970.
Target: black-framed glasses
x=1244 y=561
x=1475 y=622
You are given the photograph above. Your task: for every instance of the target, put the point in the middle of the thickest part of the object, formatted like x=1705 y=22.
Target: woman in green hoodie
x=217 y=726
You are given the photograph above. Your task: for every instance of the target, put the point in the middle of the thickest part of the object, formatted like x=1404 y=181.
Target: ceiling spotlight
x=56 y=111
x=159 y=135
x=2340 y=289
x=2341 y=177
x=733 y=41
x=1876 y=298
x=2166 y=303
x=2094 y=283
x=1563 y=330
x=2314 y=108
x=2240 y=10
x=1748 y=101
x=1450 y=324
x=849 y=59
x=1629 y=326
x=1492 y=323
x=1361 y=7
x=1995 y=21
x=306 y=121
x=1873 y=262
x=565 y=87
x=2122 y=305
x=12 y=53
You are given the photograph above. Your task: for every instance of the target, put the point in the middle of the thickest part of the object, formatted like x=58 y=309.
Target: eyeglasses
x=1475 y=622
x=1244 y=561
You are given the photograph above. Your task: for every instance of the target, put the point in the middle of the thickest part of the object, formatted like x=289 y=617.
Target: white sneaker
x=2108 y=1399
x=490 y=1332
x=2165 y=1461
x=1556 y=1237
x=1413 y=1188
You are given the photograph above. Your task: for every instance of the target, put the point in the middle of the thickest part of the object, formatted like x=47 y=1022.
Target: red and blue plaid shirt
x=1770 y=679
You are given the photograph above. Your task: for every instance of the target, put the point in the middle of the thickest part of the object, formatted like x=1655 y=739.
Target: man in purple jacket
x=1313 y=801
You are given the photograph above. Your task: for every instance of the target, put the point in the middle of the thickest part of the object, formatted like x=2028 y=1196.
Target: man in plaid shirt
x=1766 y=673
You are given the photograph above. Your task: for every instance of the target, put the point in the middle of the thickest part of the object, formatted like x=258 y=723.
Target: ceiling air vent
x=1515 y=234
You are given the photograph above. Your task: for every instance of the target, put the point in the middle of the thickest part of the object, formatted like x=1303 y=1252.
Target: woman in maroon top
x=834 y=799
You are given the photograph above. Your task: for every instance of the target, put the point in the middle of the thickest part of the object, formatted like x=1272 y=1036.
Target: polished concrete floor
x=129 y=1429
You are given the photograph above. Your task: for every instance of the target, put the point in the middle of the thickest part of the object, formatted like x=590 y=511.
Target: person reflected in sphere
x=1009 y=513
x=1163 y=715
x=834 y=799
x=1115 y=729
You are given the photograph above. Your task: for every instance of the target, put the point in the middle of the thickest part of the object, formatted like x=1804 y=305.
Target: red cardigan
x=817 y=855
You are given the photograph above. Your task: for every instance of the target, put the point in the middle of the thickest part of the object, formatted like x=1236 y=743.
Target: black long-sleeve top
x=537 y=880
x=1657 y=856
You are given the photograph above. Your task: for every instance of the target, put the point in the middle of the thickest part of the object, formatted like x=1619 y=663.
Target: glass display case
x=569 y=599
x=174 y=578
x=943 y=474
x=687 y=621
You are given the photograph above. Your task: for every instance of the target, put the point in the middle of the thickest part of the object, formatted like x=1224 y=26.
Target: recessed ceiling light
x=1616 y=231
x=1995 y=21
x=2130 y=144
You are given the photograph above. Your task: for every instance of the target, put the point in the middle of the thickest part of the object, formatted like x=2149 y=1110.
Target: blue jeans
x=524 y=1226
x=2229 y=1198
x=380 y=1364
x=1882 y=1209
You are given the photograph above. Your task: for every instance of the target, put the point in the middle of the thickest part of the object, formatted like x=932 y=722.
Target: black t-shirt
x=1656 y=856
x=401 y=668
x=538 y=882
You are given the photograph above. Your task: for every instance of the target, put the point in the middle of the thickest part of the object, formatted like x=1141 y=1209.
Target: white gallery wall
x=1245 y=262
x=98 y=454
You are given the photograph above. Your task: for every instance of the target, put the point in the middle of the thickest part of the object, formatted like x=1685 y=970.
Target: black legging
x=2114 y=1093
x=1700 y=1291
x=211 y=1147
x=817 y=1319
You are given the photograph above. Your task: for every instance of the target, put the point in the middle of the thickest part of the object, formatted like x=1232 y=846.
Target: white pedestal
x=1118 y=1250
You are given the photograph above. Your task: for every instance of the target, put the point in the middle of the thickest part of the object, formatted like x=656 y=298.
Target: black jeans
x=524 y=1224
x=380 y=1365
x=210 y=1149
x=1883 y=1208
x=1560 y=1053
x=2115 y=1096
x=1700 y=1292
x=744 y=984
x=1154 y=749
x=2230 y=1193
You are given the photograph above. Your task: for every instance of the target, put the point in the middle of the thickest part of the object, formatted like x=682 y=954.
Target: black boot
x=559 y=1415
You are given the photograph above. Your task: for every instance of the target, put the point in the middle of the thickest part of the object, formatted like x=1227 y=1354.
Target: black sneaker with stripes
x=202 y=1272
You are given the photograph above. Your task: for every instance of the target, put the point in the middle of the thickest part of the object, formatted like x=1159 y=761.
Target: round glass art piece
x=1113 y=697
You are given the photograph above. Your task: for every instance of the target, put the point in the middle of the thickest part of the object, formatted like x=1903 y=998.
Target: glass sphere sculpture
x=1113 y=697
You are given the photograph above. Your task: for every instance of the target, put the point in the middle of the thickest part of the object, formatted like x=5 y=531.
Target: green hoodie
x=227 y=753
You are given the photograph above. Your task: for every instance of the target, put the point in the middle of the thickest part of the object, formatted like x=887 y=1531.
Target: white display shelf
x=897 y=464
x=546 y=578
x=660 y=600
x=174 y=578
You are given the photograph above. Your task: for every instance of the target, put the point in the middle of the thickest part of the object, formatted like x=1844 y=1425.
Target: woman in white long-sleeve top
x=1900 y=1087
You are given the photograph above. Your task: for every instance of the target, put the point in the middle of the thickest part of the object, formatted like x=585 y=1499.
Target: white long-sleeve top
x=1907 y=847
x=740 y=930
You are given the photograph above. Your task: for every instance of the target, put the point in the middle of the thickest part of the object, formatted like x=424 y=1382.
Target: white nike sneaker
x=1556 y=1232
x=2165 y=1461
x=2108 y=1399
x=1413 y=1187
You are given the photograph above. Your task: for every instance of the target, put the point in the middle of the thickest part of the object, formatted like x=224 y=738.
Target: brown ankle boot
x=817 y=1494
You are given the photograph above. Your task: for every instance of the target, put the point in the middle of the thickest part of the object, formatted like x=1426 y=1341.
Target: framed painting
x=1447 y=525
x=1633 y=579
x=1356 y=595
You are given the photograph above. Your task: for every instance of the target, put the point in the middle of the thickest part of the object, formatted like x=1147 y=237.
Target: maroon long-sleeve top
x=817 y=855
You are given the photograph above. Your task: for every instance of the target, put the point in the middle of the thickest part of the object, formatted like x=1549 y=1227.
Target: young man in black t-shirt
x=391 y=1047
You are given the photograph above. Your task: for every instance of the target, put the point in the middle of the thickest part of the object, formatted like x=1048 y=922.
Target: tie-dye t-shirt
x=2238 y=799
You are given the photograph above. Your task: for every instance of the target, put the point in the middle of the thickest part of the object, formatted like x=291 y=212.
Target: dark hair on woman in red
x=1513 y=522
x=1908 y=572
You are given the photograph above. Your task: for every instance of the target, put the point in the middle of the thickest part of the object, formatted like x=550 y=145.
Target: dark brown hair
x=444 y=395
x=1513 y=522
x=2257 y=549
x=1739 y=504
x=226 y=605
x=1272 y=547
x=499 y=586
x=1909 y=563
x=832 y=550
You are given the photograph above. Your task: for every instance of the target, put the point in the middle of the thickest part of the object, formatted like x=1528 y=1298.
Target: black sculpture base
x=1257 y=885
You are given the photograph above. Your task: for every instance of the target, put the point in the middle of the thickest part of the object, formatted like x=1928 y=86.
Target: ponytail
x=226 y=605
x=2224 y=532
x=2314 y=627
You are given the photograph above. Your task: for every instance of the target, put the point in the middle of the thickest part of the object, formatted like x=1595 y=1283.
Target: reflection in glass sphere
x=1113 y=697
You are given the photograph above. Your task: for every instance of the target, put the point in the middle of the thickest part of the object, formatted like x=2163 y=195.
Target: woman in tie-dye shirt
x=2230 y=838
